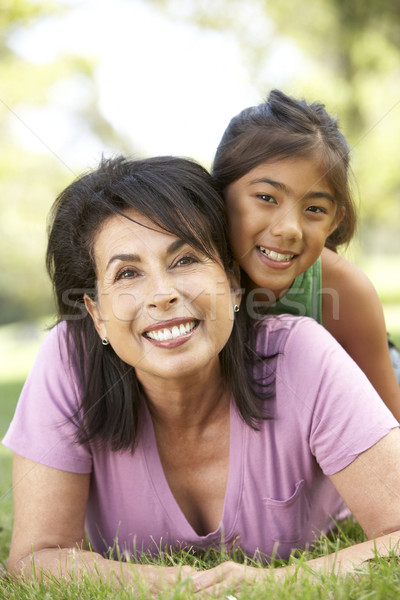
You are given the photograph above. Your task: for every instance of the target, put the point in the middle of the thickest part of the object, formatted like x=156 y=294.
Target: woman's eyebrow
x=176 y=245
x=123 y=258
x=129 y=257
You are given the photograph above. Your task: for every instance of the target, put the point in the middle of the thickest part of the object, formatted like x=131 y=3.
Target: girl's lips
x=277 y=260
x=276 y=253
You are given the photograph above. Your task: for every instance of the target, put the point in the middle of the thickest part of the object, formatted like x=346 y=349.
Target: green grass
x=379 y=579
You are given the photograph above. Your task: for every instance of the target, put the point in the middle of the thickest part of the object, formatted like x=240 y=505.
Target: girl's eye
x=126 y=273
x=266 y=198
x=317 y=210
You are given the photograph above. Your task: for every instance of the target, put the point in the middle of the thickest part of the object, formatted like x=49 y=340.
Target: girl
x=283 y=168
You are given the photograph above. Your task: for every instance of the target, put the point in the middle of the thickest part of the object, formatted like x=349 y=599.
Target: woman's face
x=165 y=308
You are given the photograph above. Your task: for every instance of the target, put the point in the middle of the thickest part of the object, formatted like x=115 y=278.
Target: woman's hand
x=157 y=578
x=229 y=576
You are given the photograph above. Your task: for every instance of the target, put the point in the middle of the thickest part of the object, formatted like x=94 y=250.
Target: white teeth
x=161 y=335
x=276 y=255
x=175 y=332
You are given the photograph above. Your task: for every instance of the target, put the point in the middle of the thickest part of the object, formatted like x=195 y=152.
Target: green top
x=304 y=297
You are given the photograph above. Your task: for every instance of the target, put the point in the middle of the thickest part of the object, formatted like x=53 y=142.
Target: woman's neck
x=191 y=403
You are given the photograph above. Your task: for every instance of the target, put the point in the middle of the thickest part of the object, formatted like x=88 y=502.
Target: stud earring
x=236 y=308
x=104 y=341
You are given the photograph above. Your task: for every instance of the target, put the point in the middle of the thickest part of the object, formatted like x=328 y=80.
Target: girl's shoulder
x=340 y=274
x=350 y=302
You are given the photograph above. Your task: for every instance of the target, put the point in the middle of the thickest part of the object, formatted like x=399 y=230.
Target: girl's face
x=280 y=214
x=165 y=308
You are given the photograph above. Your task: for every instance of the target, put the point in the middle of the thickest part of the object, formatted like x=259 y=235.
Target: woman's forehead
x=130 y=229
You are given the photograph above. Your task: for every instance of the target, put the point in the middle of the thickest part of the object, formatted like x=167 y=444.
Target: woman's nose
x=163 y=300
x=161 y=294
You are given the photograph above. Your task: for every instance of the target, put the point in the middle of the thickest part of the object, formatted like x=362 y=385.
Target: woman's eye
x=126 y=274
x=186 y=260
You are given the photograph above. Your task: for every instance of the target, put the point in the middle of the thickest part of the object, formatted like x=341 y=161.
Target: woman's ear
x=94 y=312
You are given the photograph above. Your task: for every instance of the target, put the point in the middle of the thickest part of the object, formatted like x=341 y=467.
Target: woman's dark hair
x=178 y=196
x=283 y=127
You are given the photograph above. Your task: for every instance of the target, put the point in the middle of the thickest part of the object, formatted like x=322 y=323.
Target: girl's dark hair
x=178 y=196
x=283 y=127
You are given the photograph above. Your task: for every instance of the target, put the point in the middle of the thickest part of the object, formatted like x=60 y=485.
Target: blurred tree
x=30 y=180
x=351 y=52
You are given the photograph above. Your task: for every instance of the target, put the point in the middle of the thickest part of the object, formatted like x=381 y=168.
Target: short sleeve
x=339 y=409
x=43 y=428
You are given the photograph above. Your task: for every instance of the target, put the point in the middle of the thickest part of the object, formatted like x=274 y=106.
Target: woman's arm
x=49 y=511
x=370 y=486
x=353 y=314
x=48 y=535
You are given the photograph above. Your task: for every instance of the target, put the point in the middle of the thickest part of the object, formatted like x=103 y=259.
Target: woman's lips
x=173 y=331
x=170 y=334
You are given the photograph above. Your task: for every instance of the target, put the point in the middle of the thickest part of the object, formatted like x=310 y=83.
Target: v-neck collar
x=234 y=486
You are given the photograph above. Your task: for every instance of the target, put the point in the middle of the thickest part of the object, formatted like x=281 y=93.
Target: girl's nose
x=287 y=226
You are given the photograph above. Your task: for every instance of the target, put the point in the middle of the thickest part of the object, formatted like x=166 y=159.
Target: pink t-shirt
x=278 y=496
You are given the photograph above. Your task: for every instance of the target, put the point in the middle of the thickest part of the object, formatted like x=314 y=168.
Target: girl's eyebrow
x=283 y=188
x=317 y=195
x=129 y=257
x=275 y=184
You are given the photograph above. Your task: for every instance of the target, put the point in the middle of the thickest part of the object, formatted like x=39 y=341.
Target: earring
x=236 y=308
x=104 y=341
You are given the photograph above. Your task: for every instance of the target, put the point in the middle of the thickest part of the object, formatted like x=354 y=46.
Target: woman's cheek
x=124 y=306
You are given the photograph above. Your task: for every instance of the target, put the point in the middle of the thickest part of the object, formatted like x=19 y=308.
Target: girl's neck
x=266 y=296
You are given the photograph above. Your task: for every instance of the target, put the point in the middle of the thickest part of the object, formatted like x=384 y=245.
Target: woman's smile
x=171 y=333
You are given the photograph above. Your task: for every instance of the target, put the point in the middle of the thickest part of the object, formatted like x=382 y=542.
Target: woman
x=139 y=422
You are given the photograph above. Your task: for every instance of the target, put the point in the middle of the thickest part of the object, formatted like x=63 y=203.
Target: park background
x=82 y=78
